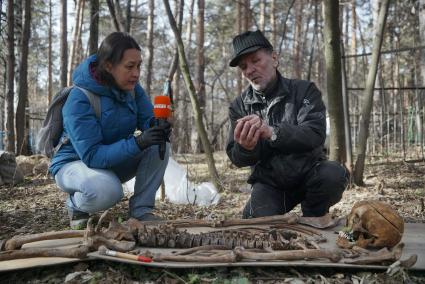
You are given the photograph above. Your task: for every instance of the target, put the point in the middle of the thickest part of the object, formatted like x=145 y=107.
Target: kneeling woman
x=102 y=152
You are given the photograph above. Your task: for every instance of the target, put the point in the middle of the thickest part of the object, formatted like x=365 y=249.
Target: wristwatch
x=274 y=134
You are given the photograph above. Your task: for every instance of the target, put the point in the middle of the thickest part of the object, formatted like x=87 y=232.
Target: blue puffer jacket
x=108 y=141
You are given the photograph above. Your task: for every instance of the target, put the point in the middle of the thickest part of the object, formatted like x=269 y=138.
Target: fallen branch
x=18 y=241
x=76 y=252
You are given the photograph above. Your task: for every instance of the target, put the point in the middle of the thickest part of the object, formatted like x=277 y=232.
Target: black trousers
x=322 y=188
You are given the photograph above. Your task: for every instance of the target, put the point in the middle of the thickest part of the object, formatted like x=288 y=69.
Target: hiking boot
x=150 y=217
x=77 y=219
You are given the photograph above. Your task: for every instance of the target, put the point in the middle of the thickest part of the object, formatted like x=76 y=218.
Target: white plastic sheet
x=179 y=190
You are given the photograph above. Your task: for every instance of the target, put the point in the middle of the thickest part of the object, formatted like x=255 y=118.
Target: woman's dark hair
x=112 y=50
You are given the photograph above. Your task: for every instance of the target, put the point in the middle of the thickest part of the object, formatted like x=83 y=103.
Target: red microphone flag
x=162 y=107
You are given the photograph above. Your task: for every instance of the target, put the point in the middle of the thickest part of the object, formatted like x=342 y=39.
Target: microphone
x=162 y=111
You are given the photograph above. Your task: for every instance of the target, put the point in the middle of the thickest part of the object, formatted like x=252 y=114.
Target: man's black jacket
x=295 y=108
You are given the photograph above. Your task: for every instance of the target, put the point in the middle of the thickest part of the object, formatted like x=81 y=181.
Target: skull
x=372 y=224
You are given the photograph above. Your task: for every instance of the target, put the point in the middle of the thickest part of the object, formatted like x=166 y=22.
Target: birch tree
x=150 y=29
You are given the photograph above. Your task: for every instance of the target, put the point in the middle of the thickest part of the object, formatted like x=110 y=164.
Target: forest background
x=366 y=56
x=328 y=42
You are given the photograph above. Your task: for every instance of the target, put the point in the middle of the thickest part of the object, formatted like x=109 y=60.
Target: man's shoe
x=150 y=217
x=77 y=219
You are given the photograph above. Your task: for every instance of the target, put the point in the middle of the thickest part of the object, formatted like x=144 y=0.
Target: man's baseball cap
x=248 y=42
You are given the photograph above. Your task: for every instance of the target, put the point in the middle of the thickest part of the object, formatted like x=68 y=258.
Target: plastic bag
x=179 y=190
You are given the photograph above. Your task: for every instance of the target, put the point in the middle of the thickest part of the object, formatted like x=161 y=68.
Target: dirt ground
x=38 y=206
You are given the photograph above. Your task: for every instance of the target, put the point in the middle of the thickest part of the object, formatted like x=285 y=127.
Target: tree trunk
x=421 y=69
x=18 y=10
x=81 y=53
x=314 y=40
x=179 y=118
x=333 y=80
x=246 y=15
x=175 y=61
x=421 y=16
x=200 y=67
x=10 y=122
x=189 y=28
x=186 y=125
x=296 y=55
x=21 y=116
x=239 y=28
x=184 y=67
x=285 y=21
x=135 y=24
x=346 y=112
x=174 y=76
x=50 y=59
x=94 y=26
x=150 y=47
x=353 y=46
x=3 y=105
x=119 y=15
x=368 y=94
x=75 y=36
x=128 y=17
x=115 y=16
x=305 y=44
x=262 y=23
x=273 y=25
x=64 y=44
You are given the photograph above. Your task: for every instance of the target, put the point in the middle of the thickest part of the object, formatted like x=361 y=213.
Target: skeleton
x=372 y=224
x=262 y=239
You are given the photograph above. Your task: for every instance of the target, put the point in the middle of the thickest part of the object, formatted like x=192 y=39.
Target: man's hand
x=249 y=129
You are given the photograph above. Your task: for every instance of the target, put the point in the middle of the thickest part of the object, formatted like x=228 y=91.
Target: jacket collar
x=250 y=97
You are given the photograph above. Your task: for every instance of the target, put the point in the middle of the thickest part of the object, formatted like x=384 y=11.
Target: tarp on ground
x=412 y=238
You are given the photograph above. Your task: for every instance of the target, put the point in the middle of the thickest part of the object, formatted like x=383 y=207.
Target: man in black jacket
x=278 y=128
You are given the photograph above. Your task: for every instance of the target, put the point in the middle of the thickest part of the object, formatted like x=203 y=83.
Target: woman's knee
x=101 y=194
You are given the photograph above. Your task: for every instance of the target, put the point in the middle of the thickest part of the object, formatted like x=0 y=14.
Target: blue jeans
x=92 y=190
